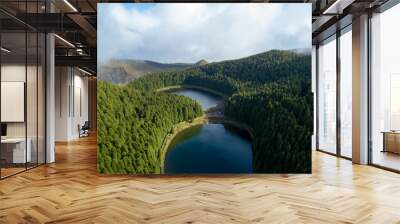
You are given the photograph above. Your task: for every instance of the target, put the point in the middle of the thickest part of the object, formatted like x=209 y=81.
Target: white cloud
x=190 y=32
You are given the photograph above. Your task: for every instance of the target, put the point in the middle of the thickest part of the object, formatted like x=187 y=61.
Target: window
x=346 y=93
x=385 y=89
x=22 y=93
x=327 y=96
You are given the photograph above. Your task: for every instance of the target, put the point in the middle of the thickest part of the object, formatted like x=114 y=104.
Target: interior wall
x=71 y=102
x=33 y=126
x=92 y=98
x=62 y=82
x=16 y=73
x=80 y=109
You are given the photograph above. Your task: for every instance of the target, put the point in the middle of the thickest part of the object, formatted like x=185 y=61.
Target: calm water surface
x=210 y=148
x=206 y=100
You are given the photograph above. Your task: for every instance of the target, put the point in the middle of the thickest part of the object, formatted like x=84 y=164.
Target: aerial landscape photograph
x=200 y=112
x=205 y=88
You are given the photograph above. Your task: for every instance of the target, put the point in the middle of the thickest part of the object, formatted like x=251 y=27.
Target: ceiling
x=75 y=22
x=332 y=15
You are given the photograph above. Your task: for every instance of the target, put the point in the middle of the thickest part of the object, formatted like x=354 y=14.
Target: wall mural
x=204 y=88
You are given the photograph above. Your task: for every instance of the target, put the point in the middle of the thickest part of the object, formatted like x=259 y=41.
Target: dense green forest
x=132 y=125
x=270 y=92
x=281 y=118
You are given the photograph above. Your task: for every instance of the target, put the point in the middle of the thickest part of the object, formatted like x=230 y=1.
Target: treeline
x=270 y=92
x=271 y=66
x=235 y=75
x=132 y=125
x=281 y=119
x=162 y=79
x=195 y=77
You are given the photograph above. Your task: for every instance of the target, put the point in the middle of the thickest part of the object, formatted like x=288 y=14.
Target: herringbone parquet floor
x=70 y=191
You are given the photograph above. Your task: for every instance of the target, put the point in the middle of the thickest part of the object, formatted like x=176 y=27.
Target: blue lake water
x=205 y=99
x=210 y=148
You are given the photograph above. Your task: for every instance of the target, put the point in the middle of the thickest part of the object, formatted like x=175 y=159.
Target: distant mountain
x=125 y=70
x=264 y=66
x=306 y=51
x=202 y=62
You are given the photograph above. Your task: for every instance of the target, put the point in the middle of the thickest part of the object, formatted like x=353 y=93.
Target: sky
x=187 y=32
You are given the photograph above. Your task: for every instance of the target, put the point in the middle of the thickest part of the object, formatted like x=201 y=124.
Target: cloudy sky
x=190 y=32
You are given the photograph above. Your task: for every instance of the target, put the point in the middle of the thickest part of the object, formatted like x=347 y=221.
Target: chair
x=84 y=130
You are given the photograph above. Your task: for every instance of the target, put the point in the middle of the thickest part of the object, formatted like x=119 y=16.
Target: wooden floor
x=70 y=191
x=5 y=172
x=387 y=159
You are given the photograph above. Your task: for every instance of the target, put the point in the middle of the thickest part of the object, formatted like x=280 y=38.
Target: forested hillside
x=133 y=124
x=261 y=68
x=125 y=70
x=270 y=92
x=280 y=115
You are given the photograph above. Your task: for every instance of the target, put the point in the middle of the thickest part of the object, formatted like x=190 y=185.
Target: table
x=391 y=141
x=13 y=150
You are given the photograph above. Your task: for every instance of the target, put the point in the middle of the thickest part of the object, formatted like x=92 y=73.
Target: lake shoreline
x=214 y=115
x=183 y=86
x=205 y=119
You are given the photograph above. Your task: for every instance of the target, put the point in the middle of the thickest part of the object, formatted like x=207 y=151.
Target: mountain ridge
x=125 y=70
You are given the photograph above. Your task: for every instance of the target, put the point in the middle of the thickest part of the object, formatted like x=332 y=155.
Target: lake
x=205 y=99
x=210 y=148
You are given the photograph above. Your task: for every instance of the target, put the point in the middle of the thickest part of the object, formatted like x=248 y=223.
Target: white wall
x=13 y=73
x=70 y=84
x=33 y=126
x=62 y=83
x=80 y=89
x=9 y=73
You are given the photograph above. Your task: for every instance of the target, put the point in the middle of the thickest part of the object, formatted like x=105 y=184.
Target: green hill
x=125 y=70
x=264 y=67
